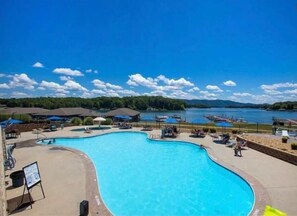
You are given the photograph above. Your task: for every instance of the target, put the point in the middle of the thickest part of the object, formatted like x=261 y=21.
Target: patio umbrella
x=125 y=117
x=99 y=119
x=171 y=121
x=199 y=121
x=224 y=125
x=55 y=118
x=9 y=122
x=147 y=118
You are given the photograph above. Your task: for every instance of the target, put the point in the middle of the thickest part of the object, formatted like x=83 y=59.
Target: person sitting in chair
x=237 y=149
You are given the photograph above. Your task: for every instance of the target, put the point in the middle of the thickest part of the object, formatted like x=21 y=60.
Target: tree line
x=287 y=105
x=136 y=103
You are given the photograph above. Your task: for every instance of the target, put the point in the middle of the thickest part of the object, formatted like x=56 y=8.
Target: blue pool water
x=139 y=176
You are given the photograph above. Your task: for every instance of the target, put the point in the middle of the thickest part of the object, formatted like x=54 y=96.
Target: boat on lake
x=161 y=118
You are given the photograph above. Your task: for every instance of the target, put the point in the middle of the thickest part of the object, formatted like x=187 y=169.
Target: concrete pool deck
x=59 y=166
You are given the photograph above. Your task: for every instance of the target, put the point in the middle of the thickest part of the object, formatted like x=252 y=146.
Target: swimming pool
x=139 y=176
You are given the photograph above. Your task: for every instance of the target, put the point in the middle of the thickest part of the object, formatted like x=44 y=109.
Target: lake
x=248 y=114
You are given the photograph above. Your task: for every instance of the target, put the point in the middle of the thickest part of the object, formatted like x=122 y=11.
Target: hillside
x=221 y=103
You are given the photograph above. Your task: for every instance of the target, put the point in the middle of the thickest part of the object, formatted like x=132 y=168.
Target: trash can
x=84 y=208
x=17 y=178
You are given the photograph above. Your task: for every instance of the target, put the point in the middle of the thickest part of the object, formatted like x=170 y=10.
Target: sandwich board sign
x=32 y=178
x=32 y=175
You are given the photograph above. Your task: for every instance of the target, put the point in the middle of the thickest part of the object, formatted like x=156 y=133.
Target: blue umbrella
x=224 y=124
x=55 y=118
x=147 y=118
x=199 y=121
x=171 y=121
x=124 y=117
x=10 y=121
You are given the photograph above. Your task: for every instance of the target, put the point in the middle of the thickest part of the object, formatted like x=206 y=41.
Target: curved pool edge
x=260 y=193
x=93 y=195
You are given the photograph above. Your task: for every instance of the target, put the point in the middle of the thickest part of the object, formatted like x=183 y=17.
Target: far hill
x=221 y=103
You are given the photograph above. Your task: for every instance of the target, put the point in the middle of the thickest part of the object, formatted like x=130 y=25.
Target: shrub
x=212 y=130
x=294 y=146
x=88 y=121
x=234 y=131
x=22 y=117
x=205 y=130
x=285 y=139
x=107 y=122
x=76 y=121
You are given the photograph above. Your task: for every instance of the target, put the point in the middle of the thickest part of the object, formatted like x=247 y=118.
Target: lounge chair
x=88 y=130
x=198 y=133
x=222 y=140
x=126 y=126
x=147 y=128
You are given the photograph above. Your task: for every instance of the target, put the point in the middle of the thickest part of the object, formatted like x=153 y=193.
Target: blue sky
x=240 y=50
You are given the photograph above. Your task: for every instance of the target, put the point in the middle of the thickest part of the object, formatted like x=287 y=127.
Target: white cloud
x=244 y=94
x=179 y=94
x=65 y=78
x=156 y=93
x=229 y=83
x=89 y=71
x=294 y=92
x=87 y=95
x=69 y=85
x=193 y=89
x=214 y=88
x=182 y=82
x=112 y=93
x=4 y=86
x=208 y=95
x=98 y=91
x=116 y=87
x=60 y=94
x=128 y=92
x=99 y=84
x=2 y=75
x=38 y=65
x=139 y=80
x=18 y=94
x=68 y=71
x=95 y=71
x=22 y=80
x=51 y=85
x=72 y=85
x=102 y=85
x=41 y=88
x=278 y=85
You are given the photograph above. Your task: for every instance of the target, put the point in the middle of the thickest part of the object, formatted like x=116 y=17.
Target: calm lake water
x=250 y=115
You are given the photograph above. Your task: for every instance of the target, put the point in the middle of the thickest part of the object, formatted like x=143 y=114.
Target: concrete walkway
x=59 y=167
